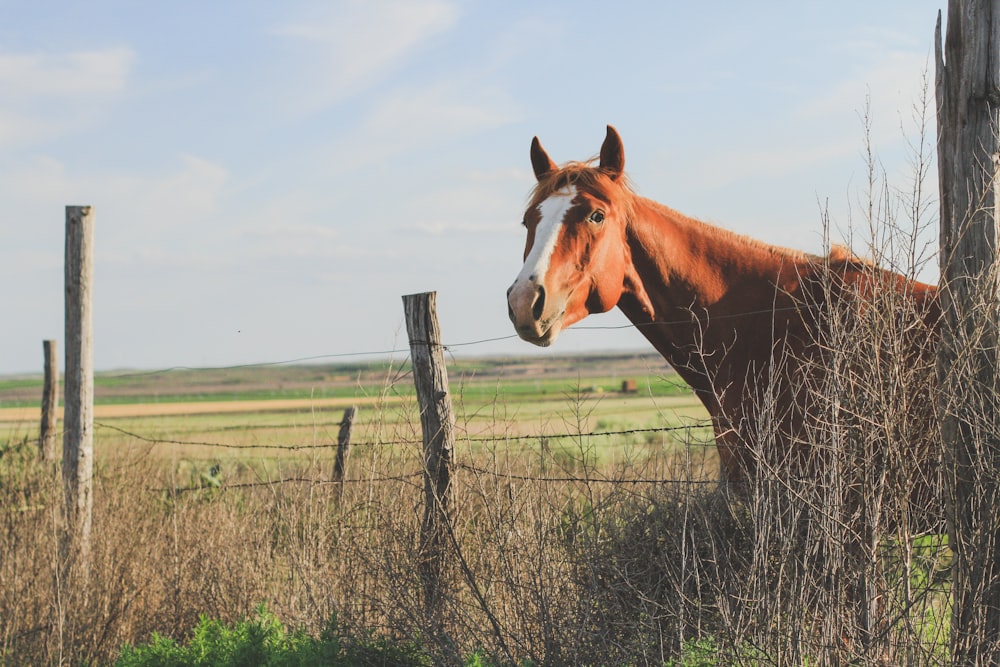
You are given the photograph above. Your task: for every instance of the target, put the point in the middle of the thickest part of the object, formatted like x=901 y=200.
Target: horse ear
x=612 y=154
x=540 y=160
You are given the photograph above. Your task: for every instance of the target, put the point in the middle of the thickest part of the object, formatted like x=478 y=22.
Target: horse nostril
x=539 y=306
x=510 y=314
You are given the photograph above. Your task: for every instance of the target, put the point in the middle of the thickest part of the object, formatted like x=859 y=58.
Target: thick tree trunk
x=968 y=100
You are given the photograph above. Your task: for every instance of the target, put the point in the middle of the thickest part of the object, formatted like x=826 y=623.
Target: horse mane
x=837 y=253
x=769 y=248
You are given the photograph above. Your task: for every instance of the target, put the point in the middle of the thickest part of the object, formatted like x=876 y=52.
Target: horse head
x=576 y=255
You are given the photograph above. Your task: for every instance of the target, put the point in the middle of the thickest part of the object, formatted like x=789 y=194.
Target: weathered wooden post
x=78 y=406
x=50 y=402
x=430 y=376
x=344 y=444
x=968 y=101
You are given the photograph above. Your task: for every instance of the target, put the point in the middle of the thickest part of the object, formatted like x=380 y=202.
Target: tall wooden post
x=968 y=100
x=437 y=421
x=344 y=444
x=78 y=411
x=50 y=402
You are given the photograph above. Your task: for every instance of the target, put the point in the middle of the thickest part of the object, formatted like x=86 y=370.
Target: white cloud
x=194 y=188
x=135 y=212
x=722 y=168
x=440 y=108
x=479 y=203
x=46 y=95
x=357 y=42
x=299 y=232
x=827 y=128
x=16 y=126
x=893 y=85
x=441 y=227
x=409 y=122
x=281 y=238
x=86 y=72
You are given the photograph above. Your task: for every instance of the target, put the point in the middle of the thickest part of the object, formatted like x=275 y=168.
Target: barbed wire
x=284 y=362
x=408 y=477
x=199 y=443
x=569 y=479
x=376 y=479
x=415 y=441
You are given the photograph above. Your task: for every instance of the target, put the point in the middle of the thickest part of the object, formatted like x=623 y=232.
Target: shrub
x=264 y=640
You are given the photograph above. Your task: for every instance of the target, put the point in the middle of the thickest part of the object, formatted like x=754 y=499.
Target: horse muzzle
x=535 y=317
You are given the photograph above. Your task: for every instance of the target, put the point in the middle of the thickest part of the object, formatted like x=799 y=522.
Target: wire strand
x=475 y=439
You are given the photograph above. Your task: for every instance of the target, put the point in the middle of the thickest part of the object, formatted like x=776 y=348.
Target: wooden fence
x=78 y=411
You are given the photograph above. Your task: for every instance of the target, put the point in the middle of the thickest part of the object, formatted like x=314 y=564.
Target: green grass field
x=481 y=378
x=519 y=405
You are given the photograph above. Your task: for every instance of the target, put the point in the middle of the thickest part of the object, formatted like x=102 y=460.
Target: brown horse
x=745 y=324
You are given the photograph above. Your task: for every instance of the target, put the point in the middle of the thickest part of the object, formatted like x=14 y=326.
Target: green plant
x=264 y=640
x=697 y=653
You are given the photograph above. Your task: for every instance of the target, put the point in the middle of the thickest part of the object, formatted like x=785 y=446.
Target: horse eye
x=597 y=217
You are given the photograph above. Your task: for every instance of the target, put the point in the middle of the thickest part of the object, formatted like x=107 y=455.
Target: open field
x=540 y=376
x=208 y=482
x=118 y=410
x=587 y=524
x=297 y=407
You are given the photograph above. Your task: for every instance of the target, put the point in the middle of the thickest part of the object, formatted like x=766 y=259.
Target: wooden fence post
x=78 y=411
x=50 y=403
x=344 y=444
x=968 y=102
x=430 y=376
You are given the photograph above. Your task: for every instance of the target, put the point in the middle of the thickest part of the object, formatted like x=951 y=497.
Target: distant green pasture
x=568 y=407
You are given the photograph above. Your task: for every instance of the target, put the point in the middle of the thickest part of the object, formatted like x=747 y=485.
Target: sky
x=269 y=178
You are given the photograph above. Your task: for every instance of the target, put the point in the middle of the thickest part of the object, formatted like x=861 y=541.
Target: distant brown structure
x=629 y=387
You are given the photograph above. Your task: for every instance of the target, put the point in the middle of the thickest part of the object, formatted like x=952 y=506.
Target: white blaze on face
x=552 y=211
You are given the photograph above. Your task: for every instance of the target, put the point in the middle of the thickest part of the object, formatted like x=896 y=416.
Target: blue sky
x=269 y=178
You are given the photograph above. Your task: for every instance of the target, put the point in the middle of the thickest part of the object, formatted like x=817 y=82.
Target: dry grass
x=531 y=558
x=555 y=554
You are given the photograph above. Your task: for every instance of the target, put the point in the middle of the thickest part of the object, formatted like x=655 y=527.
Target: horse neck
x=696 y=289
